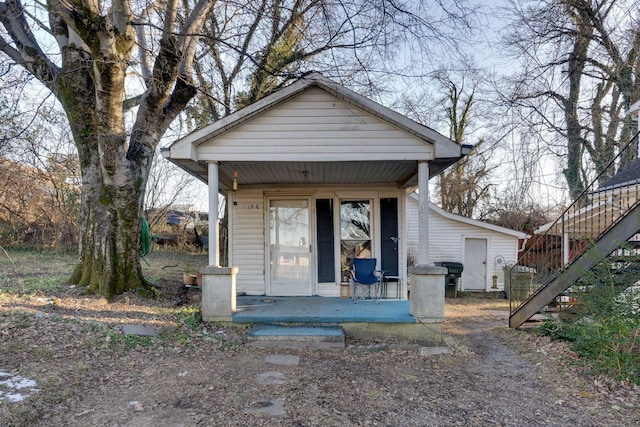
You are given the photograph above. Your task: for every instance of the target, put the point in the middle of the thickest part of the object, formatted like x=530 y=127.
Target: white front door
x=289 y=248
x=474 y=273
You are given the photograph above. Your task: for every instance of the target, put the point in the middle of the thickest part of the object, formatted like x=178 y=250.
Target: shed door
x=289 y=248
x=474 y=274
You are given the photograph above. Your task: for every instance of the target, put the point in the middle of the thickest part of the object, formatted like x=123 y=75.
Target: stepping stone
x=140 y=330
x=283 y=359
x=266 y=406
x=270 y=378
x=313 y=337
x=432 y=351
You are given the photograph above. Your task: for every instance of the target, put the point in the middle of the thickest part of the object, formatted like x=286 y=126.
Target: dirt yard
x=64 y=361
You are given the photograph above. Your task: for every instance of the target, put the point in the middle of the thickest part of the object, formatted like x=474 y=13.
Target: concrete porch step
x=281 y=336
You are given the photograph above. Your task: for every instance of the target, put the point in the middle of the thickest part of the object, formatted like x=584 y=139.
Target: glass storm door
x=289 y=248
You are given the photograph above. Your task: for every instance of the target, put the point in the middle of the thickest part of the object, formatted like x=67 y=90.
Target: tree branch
x=27 y=51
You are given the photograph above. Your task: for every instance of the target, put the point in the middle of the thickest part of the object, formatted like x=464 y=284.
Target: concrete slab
x=270 y=378
x=283 y=359
x=279 y=336
x=309 y=345
x=140 y=330
x=273 y=407
x=303 y=333
x=365 y=320
x=427 y=333
x=261 y=309
x=432 y=351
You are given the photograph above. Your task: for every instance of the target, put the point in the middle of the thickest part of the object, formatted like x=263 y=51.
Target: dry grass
x=88 y=373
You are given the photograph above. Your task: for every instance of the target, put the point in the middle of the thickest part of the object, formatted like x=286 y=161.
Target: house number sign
x=250 y=206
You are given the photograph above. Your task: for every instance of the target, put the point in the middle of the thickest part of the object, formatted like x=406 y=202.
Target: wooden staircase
x=611 y=240
x=598 y=223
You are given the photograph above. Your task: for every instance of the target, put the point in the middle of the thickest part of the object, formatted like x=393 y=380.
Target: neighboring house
x=178 y=225
x=482 y=248
x=603 y=207
x=314 y=176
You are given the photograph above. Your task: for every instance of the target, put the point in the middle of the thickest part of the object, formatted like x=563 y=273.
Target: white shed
x=483 y=248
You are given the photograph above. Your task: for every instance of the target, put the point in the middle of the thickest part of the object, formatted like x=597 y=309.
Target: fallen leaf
x=586 y=394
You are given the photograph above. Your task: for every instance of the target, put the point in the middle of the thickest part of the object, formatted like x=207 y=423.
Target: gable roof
x=381 y=144
x=233 y=120
x=473 y=222
x=476 y=223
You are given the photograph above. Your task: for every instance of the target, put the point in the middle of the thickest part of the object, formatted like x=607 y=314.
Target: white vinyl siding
x=446 y=242
x=502 y=246
x=248 y=245
x=315 y=126
x=247 y=241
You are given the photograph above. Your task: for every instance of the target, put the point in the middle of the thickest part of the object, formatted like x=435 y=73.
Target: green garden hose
x=145 y=239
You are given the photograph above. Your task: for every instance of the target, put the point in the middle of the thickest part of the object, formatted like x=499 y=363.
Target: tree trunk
x=108 y=256
x=575 y=139
x=113 y=181
x=112 y=200
x=88 y=76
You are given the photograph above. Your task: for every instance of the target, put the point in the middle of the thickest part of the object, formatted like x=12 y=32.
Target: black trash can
x=454 y=272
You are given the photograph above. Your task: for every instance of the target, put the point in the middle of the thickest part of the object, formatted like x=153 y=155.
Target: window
x=355 y=231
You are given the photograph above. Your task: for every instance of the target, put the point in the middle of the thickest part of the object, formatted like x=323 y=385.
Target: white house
x=314 y=175
x=483 y=248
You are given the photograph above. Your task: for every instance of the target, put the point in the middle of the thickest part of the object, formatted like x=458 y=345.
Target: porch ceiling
x=402 y=174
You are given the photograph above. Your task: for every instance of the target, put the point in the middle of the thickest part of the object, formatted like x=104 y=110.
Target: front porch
x=315 y=176
x=319 y=310
x=366 y=320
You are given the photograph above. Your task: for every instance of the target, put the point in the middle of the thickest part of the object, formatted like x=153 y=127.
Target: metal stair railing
x=602 y=205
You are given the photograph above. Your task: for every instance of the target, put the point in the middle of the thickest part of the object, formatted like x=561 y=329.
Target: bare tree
x=40 y=184
x=124 y=70
x=87 y=74
x=256 y=47
x=579 y=66
x=466 y=185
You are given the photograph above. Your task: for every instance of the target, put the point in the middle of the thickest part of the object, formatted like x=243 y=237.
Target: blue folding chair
x=366 y=281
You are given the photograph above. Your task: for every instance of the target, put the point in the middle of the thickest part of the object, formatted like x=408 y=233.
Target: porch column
x=427 y=280
x=219 y=293
x=214 y=219
x=423 y=214
x=427 y=293
x=218 y=283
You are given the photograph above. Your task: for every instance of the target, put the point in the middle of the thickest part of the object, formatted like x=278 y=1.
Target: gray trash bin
x=519 y=280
